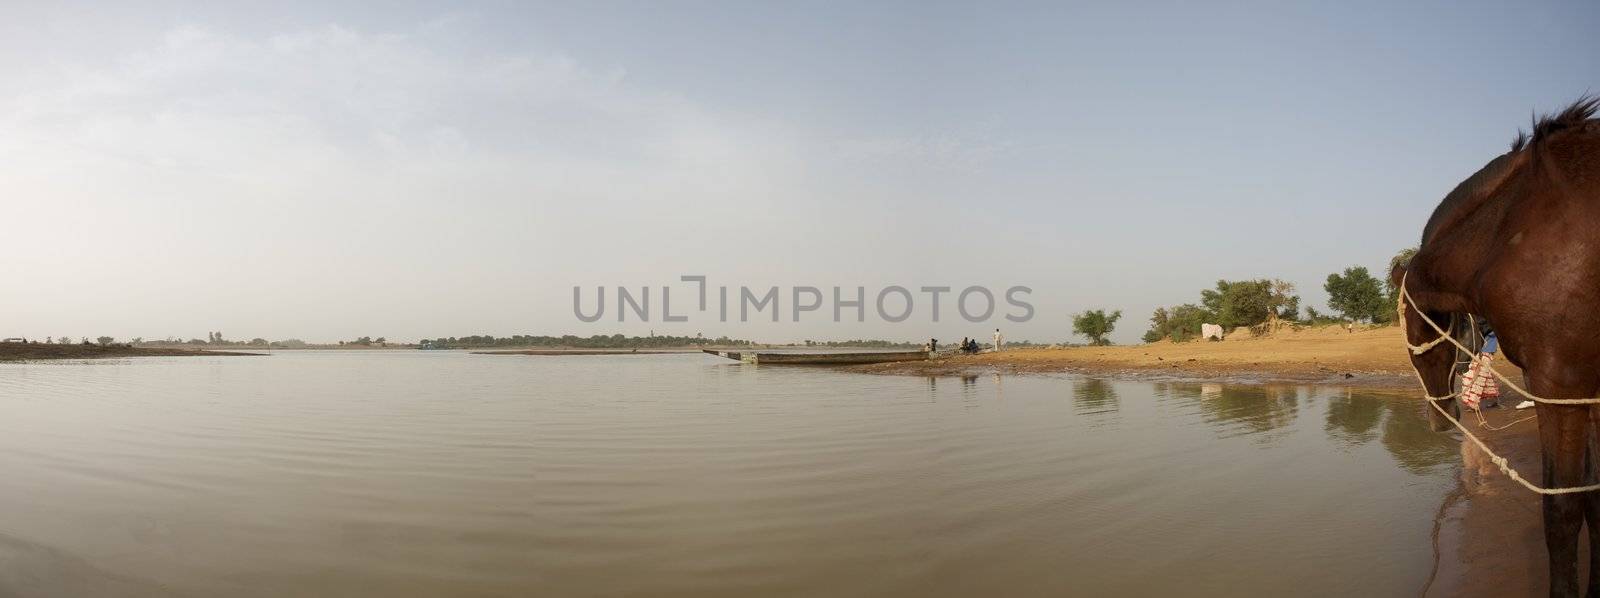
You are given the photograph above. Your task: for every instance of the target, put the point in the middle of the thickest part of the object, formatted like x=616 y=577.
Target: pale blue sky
x=324 y=171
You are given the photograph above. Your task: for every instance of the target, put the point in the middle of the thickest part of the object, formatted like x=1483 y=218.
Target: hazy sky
x=325 y=171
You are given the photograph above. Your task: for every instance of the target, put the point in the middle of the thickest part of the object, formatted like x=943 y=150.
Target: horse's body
x=1518 y=243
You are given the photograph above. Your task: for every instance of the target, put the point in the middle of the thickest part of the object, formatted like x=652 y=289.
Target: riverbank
x=41 y=351
x=1375 y=357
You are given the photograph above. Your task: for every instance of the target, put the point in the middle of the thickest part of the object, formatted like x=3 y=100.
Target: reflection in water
x=1092 y=395
x=1253 y=409
x=449 y=474
x=1351 y=419
x=1414 y=445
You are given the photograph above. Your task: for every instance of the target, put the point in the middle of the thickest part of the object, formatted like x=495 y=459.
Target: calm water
x=447 y=474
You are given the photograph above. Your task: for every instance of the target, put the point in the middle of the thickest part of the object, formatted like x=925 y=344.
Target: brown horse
x=1518 y=243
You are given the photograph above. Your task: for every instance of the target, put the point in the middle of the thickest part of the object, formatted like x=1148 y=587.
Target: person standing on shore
x=998 y=339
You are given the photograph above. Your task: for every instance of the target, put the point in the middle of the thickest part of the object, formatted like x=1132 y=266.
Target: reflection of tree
x=1090 y=395
x=1257 y=408
x=1177 y=391
x=1353 y=419
x=1411 y=441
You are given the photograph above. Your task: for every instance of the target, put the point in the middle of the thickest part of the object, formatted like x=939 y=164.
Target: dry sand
x=1372 y=357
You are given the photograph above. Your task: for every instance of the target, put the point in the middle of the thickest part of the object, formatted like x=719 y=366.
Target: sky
x=328 y=170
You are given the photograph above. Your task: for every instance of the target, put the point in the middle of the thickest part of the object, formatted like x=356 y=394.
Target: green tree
x=1096 y=325
x=1160 y=325
x=1179 y=323
x=1318 y=318
x=1401 y=258
x=1356 y=295
x=1281 y=300
x=1239 y=302
x=105 y=340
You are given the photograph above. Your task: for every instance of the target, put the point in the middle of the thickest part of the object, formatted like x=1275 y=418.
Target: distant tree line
x=864 y=343
x=598 y=341
x=1354 y=294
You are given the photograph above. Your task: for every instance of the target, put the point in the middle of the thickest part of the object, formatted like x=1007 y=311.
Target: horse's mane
x=1543 y=127
x=1480 y=186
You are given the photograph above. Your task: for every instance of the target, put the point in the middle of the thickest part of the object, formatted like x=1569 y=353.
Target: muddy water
x=447 y=474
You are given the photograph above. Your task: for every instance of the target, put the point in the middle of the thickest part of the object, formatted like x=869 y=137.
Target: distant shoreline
x=42 y=351
x=585 y=351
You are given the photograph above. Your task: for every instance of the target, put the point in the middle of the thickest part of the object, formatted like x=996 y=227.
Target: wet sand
x=1491 y=536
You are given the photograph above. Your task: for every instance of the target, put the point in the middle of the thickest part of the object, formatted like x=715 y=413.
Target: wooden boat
x=820 y=358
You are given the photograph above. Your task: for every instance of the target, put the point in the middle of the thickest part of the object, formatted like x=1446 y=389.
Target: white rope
x=1499 y=461
x=1424 y=347
x=1504 y=466
x=1405 y=297
x=1484 y=423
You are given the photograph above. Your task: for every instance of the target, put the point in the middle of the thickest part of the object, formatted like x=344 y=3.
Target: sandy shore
x=40 y=351
x=1375 y=357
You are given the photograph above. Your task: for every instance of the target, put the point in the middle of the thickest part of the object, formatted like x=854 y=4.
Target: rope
x=1504 y=466
x=1499 y=461
x=1405 y=297
x=1484 y=423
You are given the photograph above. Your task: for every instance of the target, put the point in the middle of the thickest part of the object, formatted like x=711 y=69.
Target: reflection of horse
x=1515 y=243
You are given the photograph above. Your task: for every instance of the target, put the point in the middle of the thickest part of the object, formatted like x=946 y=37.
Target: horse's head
x=1433 y=356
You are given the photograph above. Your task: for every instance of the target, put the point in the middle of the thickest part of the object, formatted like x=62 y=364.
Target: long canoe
x=820 y=358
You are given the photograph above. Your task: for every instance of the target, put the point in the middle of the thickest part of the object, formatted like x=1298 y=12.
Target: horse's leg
x=1591 y=513
x=1561 y=438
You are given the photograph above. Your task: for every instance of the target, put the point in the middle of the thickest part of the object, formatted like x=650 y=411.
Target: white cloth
x=998 y=340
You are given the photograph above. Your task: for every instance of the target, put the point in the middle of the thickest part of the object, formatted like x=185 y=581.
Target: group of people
x=969 y=346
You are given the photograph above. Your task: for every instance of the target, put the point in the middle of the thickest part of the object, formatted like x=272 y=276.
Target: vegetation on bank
x=864 y=344
x=1263 y=304
x=1095 y=325
x=35 y=350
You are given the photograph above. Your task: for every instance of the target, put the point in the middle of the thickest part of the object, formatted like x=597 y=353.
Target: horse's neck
x=1458 y=255
x=1532 y=194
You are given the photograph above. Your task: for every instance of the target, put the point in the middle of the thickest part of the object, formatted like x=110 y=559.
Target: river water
x=411 y=473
